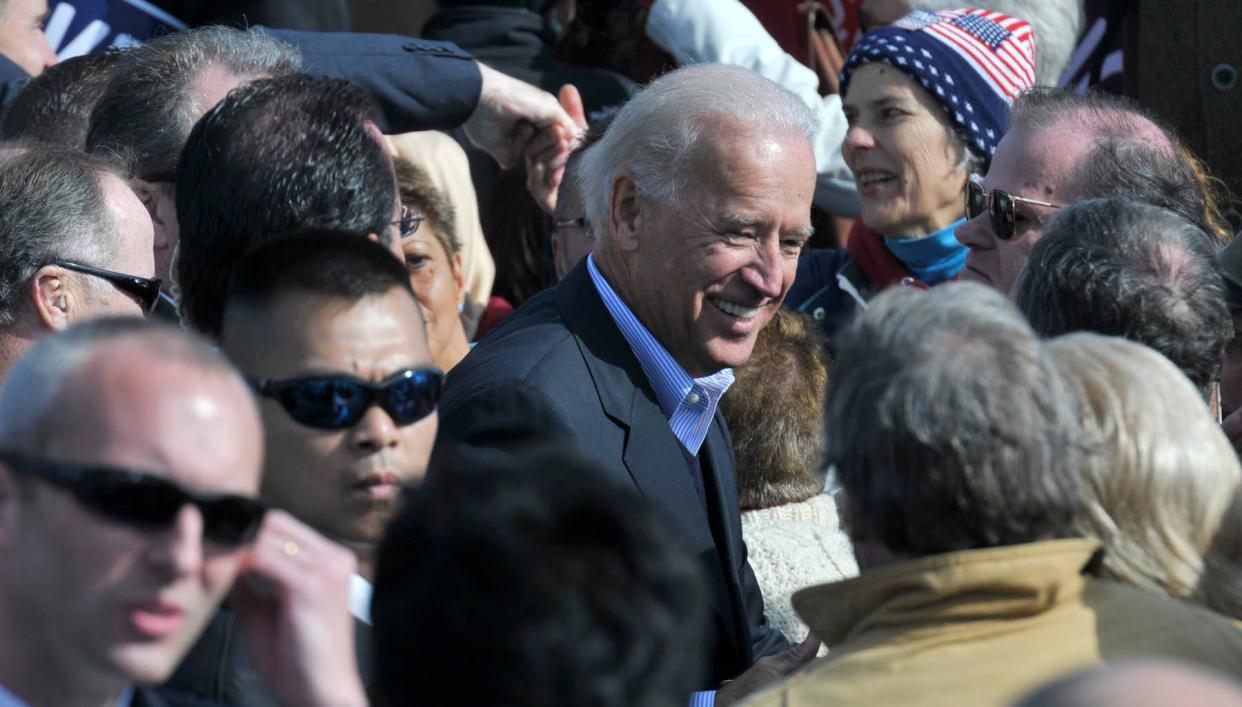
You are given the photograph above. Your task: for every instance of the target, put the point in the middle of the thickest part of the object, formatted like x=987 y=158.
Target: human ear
x=625 y=213
x=54 y=304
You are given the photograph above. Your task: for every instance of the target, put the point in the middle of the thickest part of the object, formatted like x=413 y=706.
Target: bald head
x=1139 y=684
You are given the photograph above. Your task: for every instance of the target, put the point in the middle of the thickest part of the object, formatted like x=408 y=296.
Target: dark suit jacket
x=419 y=85
x=559 y=370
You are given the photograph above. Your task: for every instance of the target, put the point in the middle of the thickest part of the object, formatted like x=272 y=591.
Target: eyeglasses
x=409 y=222
x=337 y=402
x=142 y=500
x=1000 y=205
x=147 y=290
x=579 y=222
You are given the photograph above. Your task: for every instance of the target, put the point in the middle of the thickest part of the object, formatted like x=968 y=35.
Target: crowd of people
x=593 y=353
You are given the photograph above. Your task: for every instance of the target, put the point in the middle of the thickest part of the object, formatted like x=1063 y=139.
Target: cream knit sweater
x=792 y=547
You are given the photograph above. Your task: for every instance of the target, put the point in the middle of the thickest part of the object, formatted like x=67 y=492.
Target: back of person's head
x=163 y=87
x=948 y=427
x=276 y=155
x=55 y=106
x=775 y=411
x=656 y=136
x=52 y=207
x=536 y=582
x=1057 y=23
x=1139 y=683
x=1124 y=268
x=1156 y=494
x=335 y=265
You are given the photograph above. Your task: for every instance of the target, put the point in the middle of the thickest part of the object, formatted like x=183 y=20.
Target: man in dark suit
x=127 y=510
x=700 y=197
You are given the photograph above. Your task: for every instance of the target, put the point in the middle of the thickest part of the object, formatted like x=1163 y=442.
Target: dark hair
x=336 y=264
x=148 y=109
x=1124 y=268
x=533 y=581
x=276 y=155
x=52 y=205
x=418 y=192
x=948 y=427
x=519 y=235
x=55 y=106
x=775 y=411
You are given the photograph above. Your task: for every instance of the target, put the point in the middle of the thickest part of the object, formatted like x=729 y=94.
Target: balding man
x=75 y=243
x=129 y=464
x=700 y=196
x=1062 y=148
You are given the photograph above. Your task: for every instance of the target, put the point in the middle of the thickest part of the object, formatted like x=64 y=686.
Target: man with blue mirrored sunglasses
x=328 y=332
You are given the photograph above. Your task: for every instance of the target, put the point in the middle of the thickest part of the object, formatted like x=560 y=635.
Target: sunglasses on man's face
x=143 y=500
x=337 y=402
x=146 y=289
x=1000 y=206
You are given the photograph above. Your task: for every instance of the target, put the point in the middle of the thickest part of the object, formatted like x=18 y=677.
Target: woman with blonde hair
x=1157 y=496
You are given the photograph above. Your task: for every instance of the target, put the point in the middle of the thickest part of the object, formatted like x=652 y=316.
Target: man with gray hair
x=956 y=446
x=1062 y=148
x=161 y=89
x=129 y=464
x=1124 y=268
x=75 y=243
x=699 y=193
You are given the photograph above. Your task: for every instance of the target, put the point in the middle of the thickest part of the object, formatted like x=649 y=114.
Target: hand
x=549 y=151
x=292 y=600
x=767 y=671
x=510 y=113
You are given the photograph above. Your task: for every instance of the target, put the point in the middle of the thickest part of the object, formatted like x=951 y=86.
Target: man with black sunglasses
x=129 y=464
x=328 y=332
x=75 y=242
x=1062 y=148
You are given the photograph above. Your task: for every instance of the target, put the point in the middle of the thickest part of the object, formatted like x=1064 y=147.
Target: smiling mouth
x=870 y=178
x=737 y=311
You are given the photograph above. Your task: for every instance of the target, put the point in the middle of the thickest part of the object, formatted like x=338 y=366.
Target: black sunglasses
x=337 y=402
x=147 y=290
x=143 y=500
x=1000 y=205
x=409 y=222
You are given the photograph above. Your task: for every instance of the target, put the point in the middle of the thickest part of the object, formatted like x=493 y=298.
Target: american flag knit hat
x=974 y=62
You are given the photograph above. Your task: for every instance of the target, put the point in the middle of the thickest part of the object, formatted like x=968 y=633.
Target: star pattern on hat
x=983 y=29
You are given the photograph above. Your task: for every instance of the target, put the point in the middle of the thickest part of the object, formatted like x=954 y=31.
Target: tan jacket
x=983 y=627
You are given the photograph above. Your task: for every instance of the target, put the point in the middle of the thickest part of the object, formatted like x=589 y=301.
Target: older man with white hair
x=700 y=194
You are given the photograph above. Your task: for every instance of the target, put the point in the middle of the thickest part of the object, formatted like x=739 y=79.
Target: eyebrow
x=881 y=102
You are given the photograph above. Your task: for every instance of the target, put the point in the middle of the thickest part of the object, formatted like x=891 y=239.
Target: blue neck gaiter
x=932 y=259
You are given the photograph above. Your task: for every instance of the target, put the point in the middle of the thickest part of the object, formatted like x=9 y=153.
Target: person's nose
x=177 y=551
x=766 y=274
x=375 y=431
x=858 y=138
x=976 y=233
